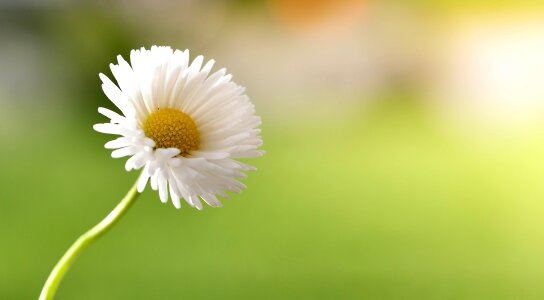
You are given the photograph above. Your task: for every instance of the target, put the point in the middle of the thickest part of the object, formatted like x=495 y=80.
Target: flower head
x=183 y=126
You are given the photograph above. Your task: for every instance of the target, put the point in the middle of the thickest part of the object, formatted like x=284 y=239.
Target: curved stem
x=84 y=241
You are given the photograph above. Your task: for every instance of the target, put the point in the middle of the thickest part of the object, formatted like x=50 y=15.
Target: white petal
x=115 y=95
x=108 y=128
x=155 y=180
x=122 y=152
x=113 y=116
x=174 y=195
x=137 y=161
x=195 y=202
x=163 y=188
x=210 y=155
x=163 y=153
x=142 y=180
x=211 y=200
x=118 y=143
x=140 y=159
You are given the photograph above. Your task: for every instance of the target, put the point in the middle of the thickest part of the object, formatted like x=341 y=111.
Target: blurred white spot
x=494 y=70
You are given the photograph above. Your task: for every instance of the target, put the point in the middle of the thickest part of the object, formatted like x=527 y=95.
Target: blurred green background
x=404 y=143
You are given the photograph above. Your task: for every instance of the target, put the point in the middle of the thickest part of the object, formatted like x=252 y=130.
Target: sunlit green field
x=380 y=203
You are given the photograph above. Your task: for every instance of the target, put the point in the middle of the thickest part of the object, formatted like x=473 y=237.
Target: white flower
x=183 y=126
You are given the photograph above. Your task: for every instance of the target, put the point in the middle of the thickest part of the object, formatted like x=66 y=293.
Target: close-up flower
x=184 y=126
x=403 y=139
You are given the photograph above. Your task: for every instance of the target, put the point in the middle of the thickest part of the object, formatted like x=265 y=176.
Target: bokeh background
x=404 y=139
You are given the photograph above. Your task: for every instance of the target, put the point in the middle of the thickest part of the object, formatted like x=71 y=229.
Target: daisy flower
x=184 y=126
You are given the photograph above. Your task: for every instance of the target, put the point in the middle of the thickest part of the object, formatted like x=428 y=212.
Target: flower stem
x=54 y=279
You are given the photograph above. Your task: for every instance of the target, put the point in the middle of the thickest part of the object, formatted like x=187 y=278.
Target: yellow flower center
x=172 y=128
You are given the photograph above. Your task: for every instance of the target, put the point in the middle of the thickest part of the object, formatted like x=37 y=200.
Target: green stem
x=54 y=279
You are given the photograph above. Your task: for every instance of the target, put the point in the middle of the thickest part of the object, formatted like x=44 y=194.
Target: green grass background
x=379 y=203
